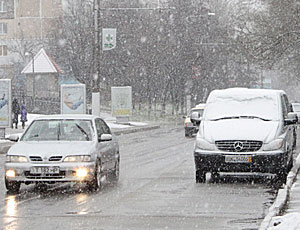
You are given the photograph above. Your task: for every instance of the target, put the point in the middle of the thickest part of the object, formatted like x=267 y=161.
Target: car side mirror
x=14 y=137
x=105 y=137
x=291 y=119
x=196 y=118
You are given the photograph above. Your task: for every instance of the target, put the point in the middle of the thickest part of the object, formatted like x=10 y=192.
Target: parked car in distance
x=191 y=128
x=245 y=130
x=63 y=148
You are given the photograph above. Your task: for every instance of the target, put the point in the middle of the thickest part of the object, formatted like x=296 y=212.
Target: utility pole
x=96 y=66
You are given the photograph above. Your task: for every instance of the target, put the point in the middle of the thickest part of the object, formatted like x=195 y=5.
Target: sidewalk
x=284 y=214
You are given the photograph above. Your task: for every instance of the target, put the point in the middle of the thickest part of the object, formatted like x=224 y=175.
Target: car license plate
x=44 y=170
x=238 y=159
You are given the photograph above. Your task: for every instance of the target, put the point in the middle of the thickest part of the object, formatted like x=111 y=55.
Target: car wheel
x=96 y=182
x=12 y=186
x=282 y=175
x=215 y=177
x=114 y=176
x=291 y=164
x=187 y=134
x=200 y=176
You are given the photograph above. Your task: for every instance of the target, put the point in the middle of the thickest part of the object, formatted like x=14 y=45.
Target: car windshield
x=296 y=107
x=262 y=107
x=59 y=130
x=200 y=111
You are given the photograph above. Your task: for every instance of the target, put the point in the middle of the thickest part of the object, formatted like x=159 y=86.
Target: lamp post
x=96 y=67
x=29 y=53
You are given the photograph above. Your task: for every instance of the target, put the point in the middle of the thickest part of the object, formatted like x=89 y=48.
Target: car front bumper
x=263 y=162
x=67 y=172
x=191 y=129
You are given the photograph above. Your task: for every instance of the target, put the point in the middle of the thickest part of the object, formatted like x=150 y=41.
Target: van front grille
x=238 y=145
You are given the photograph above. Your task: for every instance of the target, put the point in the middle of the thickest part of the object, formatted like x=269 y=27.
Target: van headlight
x=203 y=144
x=273 y=145
x=16 y=159
x=78 y=158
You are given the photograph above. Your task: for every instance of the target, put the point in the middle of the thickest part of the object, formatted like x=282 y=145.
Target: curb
x=282 y=197
x=135 y=129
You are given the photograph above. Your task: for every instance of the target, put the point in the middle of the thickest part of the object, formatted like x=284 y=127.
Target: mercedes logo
x=238 y=146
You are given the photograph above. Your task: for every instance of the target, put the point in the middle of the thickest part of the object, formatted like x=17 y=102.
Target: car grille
x=238 y=145
x=60 y=175
x=55 y=158
x=35 y=158
x=38 y=158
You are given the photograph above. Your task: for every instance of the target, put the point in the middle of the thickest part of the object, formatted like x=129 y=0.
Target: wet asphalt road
x=156 y=190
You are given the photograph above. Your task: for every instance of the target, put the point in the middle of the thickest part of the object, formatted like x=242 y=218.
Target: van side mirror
x=196 y=118
x=291 y=119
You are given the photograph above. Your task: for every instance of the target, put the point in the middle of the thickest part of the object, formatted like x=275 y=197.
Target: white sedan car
x=63 y=148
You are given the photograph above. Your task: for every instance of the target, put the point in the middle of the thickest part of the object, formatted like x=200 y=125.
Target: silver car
x=63 y=148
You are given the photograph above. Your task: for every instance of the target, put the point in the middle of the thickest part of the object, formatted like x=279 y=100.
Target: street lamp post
x=96 y=77
x=29 y=53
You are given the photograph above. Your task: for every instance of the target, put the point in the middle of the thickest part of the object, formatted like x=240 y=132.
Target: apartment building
x=24 y=24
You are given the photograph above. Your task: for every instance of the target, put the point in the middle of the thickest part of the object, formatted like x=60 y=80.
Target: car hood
x=240 y=129
x=50 y=148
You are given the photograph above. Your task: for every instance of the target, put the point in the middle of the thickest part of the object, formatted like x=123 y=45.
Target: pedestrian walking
x=15 y=112
x=23 y=115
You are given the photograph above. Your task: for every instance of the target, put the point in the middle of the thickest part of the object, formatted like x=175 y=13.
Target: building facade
x=24 y=26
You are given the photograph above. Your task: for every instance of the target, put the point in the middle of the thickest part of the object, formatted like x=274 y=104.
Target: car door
x=106 y=148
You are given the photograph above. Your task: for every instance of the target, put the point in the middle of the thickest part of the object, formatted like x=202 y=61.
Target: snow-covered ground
x=289 y=221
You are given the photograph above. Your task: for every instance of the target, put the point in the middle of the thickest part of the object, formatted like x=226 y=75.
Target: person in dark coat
x=23 y=115
x=15 y=112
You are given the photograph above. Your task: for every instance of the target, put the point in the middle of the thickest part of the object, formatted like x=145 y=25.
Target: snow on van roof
x=245 y=92
x=263 y=103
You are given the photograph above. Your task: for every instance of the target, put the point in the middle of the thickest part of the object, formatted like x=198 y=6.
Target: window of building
x=3 y=50
x=3 y=28
x=3 y=6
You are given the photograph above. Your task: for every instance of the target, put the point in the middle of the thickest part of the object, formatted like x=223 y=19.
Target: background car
x=63 y=148
x=296 y=109
x=189 y=127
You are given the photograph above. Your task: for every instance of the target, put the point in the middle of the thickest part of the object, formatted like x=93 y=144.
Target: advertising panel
x=5 y=103
x=121 y=101
x=73 y=99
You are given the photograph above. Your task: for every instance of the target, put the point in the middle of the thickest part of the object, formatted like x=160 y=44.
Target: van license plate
x=238 y=159
x=44 y=170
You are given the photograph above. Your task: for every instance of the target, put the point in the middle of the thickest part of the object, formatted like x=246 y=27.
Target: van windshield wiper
x=238 y=117
x=225 y=118
x=255 y=117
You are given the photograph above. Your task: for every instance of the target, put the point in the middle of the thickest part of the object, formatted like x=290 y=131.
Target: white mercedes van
x=245 y=130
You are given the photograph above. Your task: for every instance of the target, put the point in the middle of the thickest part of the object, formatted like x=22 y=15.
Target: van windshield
x=264 y=107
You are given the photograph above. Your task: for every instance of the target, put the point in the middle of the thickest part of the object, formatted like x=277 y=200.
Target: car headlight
x=203 y=144
x=78 y=158
x=273 y=145
x=16 y=159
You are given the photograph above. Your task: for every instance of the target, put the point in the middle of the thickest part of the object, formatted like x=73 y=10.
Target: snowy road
x=156 y=190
